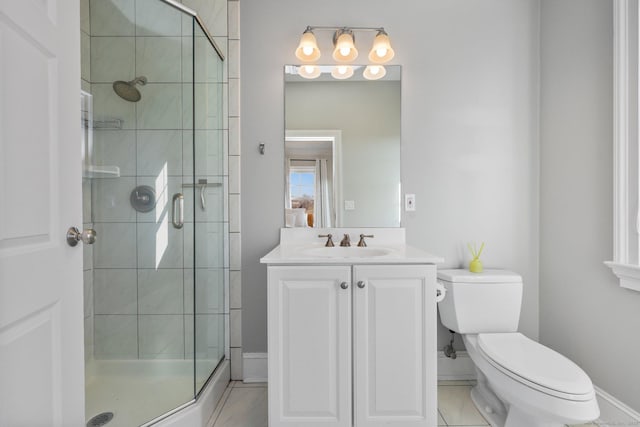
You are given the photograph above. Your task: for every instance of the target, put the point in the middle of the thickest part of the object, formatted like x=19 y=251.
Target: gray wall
x=584 y=314
x=469 y=130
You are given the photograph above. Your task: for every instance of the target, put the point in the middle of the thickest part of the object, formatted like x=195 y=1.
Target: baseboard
x=614 y=413
x=254 y=367
x=460 y=368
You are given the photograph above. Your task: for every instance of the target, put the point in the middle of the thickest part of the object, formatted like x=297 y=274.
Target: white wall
x=584 y=314
x=469 y=130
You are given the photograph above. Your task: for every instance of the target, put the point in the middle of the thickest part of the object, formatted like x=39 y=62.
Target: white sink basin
x=347 y=252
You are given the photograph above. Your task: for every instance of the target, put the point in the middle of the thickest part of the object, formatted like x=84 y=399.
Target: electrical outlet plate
x=409 y=202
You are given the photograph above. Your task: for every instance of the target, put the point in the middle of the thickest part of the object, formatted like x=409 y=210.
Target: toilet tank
x=480 y=302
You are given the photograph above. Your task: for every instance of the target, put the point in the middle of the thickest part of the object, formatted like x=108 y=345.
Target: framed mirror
x=342 y=149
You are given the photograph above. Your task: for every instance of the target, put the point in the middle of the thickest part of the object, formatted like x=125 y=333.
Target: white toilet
x=521 y=383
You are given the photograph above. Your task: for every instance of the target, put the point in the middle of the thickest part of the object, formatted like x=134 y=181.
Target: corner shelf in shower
x=94 y=171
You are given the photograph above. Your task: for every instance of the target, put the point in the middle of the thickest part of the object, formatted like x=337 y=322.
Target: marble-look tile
x=110 y=200
x=112 y=58
x=158 y=59
x=160 y=106
x=116 y=337
x=116 y=148
x=115 y=246
x=115 y=291
x=108 y=105
x=209 y=288
x=208 y=152
x=246 y=406
x=208 y=239
x=87 y=285
x=234 y=98
x=234 y=213
x=234 y=136
x=85 y=56
x=88 y=339
x=236 y=364
x=160 y=245
x=159 y=152
x=85 y=18
x=441 y=422
x=86 y=200
x=234 y=59
x=209 y=336
x=200 y=53
x=457 y=408
x=235 y=328
x=235 y=289
x=234 y=20
x=160 y=291
x=112 y=17
x=234 y=174
x=161 y=336
x=155 y=18
x=209 y=108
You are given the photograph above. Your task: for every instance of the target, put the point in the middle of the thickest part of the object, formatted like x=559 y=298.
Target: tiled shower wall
x=138 y=291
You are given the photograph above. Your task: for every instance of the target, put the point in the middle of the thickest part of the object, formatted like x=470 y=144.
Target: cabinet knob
x=344 y=285
x=361 y=284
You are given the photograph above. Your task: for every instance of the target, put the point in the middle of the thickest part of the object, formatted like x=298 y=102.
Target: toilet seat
x=535 y=365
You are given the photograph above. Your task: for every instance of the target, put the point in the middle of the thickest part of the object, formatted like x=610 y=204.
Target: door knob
x=74 y=236
x=361 y=284
x=344 y=285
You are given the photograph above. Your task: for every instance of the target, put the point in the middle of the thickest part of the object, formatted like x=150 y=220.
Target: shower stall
x=155 y=191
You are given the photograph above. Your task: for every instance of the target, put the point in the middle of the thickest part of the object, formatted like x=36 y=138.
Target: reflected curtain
x=323 y=205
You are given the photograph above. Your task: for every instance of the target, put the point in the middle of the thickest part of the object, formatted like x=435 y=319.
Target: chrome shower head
x=128 y=90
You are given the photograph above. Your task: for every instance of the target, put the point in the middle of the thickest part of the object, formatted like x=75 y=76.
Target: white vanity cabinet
x=352 y=345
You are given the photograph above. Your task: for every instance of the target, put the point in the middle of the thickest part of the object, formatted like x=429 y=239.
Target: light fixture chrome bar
x=320 y=27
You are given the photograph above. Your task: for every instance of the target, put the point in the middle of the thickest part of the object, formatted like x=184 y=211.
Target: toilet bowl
x=521 y=383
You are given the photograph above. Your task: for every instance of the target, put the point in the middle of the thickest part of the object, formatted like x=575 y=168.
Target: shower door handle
x=177 y=211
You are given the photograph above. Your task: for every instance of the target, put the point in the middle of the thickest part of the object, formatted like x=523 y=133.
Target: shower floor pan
x=138 y=391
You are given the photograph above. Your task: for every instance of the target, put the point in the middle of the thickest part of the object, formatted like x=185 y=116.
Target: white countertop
x=301 y=245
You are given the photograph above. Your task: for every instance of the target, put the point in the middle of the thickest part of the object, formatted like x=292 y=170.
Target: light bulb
x=344 y=51
x=309 y=69
x=381 y=52
x=374 y=69
x=342 y=70
x=307 y=50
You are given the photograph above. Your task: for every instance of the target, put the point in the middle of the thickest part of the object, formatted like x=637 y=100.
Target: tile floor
x=245 y=405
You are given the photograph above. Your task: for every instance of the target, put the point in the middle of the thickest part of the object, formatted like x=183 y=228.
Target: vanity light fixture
x=342 y=72
x=381 y=51
x=344 y=49
x=307 y=50
x=374 y=72
x=309 y=71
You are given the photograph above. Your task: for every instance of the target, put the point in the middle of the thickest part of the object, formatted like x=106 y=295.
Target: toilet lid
x=539 y=366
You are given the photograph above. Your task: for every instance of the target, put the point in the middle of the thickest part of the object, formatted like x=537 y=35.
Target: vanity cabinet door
x=309 y=325
x=394 y=331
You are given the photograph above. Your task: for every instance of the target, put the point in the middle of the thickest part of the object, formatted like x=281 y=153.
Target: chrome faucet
x=329 y=243
x=346 y=241
x=362 y=243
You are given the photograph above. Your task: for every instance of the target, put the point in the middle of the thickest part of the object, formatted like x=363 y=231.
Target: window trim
x=627 y=272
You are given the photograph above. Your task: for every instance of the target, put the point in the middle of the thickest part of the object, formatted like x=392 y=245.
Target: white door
x=309 y=325
x=41 y=309
x=394 y=338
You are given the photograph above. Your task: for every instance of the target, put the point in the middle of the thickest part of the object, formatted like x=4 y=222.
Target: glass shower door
x=153 y=191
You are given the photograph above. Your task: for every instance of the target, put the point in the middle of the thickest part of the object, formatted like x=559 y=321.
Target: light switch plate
x=409 y=202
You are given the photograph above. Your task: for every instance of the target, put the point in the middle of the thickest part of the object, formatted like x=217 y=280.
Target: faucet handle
x=329 y=243
x=362 y=243
x=346 y=241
